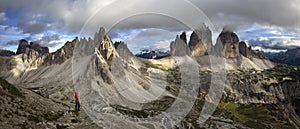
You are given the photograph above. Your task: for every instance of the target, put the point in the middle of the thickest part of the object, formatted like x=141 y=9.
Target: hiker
x=77 y=105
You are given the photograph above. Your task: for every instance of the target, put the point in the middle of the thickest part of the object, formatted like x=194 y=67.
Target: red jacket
x=76 y=97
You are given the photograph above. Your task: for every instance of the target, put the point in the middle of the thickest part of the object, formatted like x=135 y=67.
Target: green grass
x=10 y=88
x=255 y=115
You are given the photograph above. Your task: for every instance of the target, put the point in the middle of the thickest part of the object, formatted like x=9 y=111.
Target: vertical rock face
x=41 y=50
x=23 y=44
x=30 y=55
x=107 y=48
x=230 y=42
x=249 y=53
x=183 y=37
x=244 y=50
x=200 y=41
x=123 y=50
x=179 y=48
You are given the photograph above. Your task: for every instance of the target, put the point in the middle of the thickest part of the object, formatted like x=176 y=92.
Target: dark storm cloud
x=49 y=40
x=71 y=15
x=46 y=40
x=281 y=13
x=10 y=43
x=32 y=27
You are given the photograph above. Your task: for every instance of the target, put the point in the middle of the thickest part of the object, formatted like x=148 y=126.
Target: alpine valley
x=37 y=87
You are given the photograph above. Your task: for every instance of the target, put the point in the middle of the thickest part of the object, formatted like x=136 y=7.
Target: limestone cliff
x=200 y=41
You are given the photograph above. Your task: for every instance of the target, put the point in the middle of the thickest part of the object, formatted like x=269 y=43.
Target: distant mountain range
x=290 y=57
x=152 y=54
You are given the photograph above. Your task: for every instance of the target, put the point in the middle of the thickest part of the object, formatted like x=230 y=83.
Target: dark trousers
x=77 y=106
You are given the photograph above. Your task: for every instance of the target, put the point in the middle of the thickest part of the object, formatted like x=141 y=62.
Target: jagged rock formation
x=123 y=50
x=30 y=55
x=230 y=43
x=179 y=48
x=23 y=45
x=183 y=37
x=61 y=55
x=244 y=50
x=107 y=48
x=249 y=53
x=6 y=53
x=258 y=54
x=200 y=41
x=41 y=50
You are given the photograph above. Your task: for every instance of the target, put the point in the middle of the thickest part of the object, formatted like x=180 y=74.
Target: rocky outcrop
x=6 y=53
x=107 y=48
x=179 y=48
x=62 y=54
x=29 y=55
x=244 y=50
x=257 y=54
x=41 y=50
x=123 y=50
x=249 y=53
x=200 y=41
x=23 y=45
x=230 y=43
x=183 y=37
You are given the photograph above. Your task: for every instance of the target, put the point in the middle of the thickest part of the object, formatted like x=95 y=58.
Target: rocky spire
x=230 y=43
x=23 y=45
x=200 y=41
x=183 y=37
x=179 y=48
x=244 y=50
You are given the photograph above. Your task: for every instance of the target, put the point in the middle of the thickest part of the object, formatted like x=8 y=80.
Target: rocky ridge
x=6 y=53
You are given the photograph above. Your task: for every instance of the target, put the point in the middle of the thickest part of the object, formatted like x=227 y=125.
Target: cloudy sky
x=270 y=25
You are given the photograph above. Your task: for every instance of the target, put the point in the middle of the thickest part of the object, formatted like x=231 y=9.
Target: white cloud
x=3 y=18
x=163 y=45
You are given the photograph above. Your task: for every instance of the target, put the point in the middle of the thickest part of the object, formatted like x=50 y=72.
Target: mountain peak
x=23 y=45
